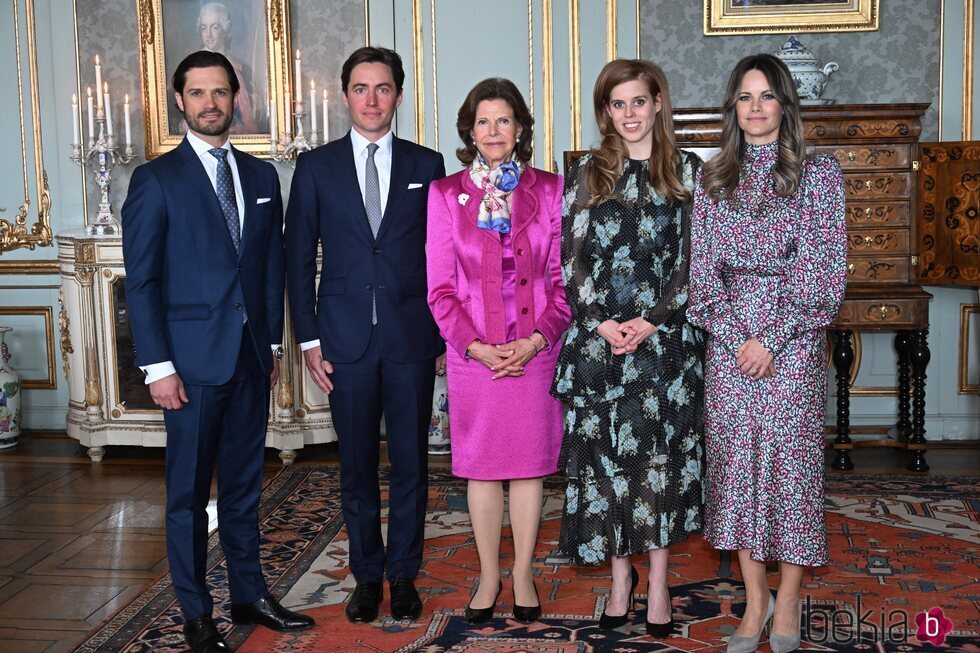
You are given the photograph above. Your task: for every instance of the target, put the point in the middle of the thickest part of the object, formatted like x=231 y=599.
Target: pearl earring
x=518 y=139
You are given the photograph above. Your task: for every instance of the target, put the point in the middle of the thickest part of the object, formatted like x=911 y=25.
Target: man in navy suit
x=368 y=338
x=203 y=248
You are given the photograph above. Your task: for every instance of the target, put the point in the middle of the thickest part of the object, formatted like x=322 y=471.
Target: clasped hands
x=509 y=358
x=754 y=360
x=625 y=337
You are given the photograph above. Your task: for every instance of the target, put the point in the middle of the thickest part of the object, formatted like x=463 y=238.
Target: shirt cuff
x=309 y=344
x=157 y=371
x=276 y=346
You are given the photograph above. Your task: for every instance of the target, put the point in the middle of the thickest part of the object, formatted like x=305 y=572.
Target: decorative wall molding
x=964 y=385
x=50 y=382
x=19 y=232
x=29 y=267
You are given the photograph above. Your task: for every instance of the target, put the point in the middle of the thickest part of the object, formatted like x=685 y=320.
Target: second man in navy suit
x=368 y=338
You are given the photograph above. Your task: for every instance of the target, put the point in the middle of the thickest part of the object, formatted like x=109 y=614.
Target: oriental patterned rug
x=905 y=553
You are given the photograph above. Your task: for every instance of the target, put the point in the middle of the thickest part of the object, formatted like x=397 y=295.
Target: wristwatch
x=279 y=352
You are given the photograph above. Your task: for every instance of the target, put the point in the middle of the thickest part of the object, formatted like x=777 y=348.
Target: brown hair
x=606 y=166
x=372 y=54
x=720 y=175
x=494 y=88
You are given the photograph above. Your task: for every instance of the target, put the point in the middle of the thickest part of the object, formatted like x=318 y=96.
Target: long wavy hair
x=720 y=175
x=609 y=157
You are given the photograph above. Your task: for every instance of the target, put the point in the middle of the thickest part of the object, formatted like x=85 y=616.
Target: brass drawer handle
x=868 y=241
x=867 y=212
x=867 y=184
x=850 y=268
x=884 y=311
x=851 y=155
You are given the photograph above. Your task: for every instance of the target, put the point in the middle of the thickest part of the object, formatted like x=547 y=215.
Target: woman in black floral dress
x=631 y=366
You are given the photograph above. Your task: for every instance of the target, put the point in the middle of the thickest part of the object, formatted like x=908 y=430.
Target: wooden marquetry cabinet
x=912 y=216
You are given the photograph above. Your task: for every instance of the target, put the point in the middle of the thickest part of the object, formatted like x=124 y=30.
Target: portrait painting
x=252 y=34
x=789 y=16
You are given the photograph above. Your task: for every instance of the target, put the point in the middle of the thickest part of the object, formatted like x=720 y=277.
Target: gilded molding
x=275 y=19
x=64 y=326
x=50 y=382
x=435 y=78
x=549 y=87
x=84 y=253
x=968 y=70
x=18 y=233
x=965 y=387
x=419 y=73
x=575 y=72
x=29 y=267
x=147 y=21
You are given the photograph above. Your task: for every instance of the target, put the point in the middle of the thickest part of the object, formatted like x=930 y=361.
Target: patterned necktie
x=372 y=206
x=226 y=195
x=372 y=191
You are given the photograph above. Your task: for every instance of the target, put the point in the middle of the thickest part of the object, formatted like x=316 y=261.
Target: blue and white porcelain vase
x=808 y=73
x=10 y=396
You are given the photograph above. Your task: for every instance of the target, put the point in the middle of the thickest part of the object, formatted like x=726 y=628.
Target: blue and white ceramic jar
x=10 y=396
x=808 y=73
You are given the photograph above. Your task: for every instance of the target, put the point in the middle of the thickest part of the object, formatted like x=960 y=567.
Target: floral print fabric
x=775 y=268
x=632 y=449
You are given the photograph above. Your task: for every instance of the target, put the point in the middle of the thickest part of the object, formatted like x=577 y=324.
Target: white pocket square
x=263 y=200
x=414 y=186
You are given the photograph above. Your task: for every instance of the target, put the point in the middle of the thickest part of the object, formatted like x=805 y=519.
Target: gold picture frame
x=727 y=17
x=254 y=36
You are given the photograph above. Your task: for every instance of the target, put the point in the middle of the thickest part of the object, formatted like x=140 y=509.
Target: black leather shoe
x=203 y=637
x=405 y=601
x=528 y=614
x=478 y=616
x=267 y=612
x=363 y=604
x=608 y=622
x=661 y=631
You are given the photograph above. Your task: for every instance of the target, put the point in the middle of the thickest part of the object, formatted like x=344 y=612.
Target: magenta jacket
x=464 y=261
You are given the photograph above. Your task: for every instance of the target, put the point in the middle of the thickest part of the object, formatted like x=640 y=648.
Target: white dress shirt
x=157 y=371
x=382 y=160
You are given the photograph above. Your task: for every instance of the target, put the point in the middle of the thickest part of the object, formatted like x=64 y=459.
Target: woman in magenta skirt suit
x=495 y=290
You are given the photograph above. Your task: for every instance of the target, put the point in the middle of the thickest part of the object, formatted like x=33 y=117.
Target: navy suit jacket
x=186 y=288
x=326 y=207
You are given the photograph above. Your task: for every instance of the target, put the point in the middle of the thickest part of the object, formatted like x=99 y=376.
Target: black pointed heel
x=478 y=616
x=528 y=614
x=607 y=622
x=661 y=631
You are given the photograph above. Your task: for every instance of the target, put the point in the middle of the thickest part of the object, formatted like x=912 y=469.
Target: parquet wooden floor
x=78 y=540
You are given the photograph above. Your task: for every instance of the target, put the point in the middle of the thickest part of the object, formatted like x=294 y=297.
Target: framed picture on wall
x=253 y=34
x=785 y=16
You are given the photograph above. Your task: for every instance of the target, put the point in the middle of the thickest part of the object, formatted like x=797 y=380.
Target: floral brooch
x=463 y=198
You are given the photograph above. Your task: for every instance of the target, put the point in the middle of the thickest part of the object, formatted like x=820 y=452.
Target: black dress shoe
x=528 y=614
x=608 y=622
x=203 y=637
x=661 y=631
x=363 y=604
x=267 y=612
x=478 y=616
x=405 y=601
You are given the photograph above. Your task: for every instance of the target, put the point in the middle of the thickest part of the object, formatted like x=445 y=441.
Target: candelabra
x=294 y=145
x=103 y=154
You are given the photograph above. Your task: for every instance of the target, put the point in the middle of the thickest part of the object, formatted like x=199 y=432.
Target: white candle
x=129 y=137
x=312 y=105
x=326 y=129
x=74 y=119
x=298 y=82
x=273 y=132
x=108 y=110
x=91 y=115
x=98 y=80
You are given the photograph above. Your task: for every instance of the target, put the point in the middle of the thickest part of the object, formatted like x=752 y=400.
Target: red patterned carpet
x=901 y=546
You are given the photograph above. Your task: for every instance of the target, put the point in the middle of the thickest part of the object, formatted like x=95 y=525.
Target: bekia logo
x=932 y=626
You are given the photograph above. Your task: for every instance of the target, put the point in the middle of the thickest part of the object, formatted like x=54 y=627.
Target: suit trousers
x=403 y=392
x=221 y=427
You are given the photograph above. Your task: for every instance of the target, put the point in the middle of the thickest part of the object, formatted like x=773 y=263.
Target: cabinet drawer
x=877 y=313
x=869 y=156
x=877 y=241
x=876 y=185
x=875 y=214
x=877 y=269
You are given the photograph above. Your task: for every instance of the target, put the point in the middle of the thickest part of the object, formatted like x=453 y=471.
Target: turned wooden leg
x=919 y=359
x=903 y=346
x=843 y=359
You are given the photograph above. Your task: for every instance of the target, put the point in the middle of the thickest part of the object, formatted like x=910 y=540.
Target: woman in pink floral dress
x=768 y=270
